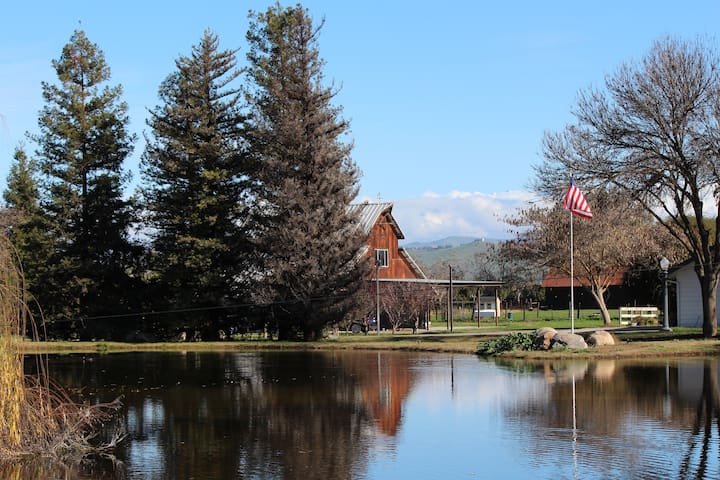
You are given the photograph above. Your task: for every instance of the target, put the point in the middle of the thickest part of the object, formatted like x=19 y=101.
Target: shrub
x=507 y=343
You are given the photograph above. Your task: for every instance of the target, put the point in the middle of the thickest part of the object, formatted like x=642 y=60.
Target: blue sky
x=448 y=101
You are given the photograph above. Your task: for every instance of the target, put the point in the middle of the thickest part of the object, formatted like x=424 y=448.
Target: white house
x=689 y=299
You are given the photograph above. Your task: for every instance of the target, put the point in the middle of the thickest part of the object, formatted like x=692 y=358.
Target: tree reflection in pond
x=705 y=427
x=247 y=415
x=621 y=408
x=373 y=415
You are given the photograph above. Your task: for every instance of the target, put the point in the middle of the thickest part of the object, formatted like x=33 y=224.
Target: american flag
x=576 y=203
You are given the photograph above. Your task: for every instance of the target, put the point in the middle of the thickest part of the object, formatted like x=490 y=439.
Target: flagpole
x=572 y=280
x=577 y=205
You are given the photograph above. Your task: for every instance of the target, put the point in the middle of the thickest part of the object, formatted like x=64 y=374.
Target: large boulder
x=568 y=340
x=544 y=336
x=600 y=338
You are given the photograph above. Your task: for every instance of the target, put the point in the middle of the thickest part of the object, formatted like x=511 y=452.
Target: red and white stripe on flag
x=576 y=203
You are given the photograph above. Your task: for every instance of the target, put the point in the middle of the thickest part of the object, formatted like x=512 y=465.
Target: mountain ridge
x=464 y=256
x=446 y=242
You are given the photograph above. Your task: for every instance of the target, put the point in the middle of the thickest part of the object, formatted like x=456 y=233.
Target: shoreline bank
x=629 y=345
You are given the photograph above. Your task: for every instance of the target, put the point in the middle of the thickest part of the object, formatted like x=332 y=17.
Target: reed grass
x=13 y=316
x=38 y=417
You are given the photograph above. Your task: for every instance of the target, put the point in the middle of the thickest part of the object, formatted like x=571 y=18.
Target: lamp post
x=664 y=265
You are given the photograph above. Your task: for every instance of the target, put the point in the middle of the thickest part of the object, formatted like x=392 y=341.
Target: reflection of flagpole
x=574 y=436
x=572 y=282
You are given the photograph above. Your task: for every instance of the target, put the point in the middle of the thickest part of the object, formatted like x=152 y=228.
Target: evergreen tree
x=198 y=187
x=28 y=228
x=83 y=142
x=311 y=242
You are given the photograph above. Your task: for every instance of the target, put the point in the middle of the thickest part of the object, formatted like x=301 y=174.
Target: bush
x=507 y=343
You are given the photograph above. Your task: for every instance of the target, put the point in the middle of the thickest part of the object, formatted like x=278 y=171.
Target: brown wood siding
x=383 y=236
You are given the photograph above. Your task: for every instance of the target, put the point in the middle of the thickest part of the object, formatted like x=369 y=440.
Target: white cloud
x=433 y=216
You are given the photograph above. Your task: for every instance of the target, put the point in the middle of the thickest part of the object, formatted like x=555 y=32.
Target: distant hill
x=434 y=257
x=442 y=243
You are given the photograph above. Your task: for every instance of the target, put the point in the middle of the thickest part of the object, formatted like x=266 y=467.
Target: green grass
x=531 y=319
x=638 y=343
x=436 y=339
x=505 y=324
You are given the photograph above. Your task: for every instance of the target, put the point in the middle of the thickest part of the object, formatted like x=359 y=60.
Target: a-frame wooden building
x=383 y=232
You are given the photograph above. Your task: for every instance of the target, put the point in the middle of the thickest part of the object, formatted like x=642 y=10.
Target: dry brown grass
x=38 y=418
x=13 y=318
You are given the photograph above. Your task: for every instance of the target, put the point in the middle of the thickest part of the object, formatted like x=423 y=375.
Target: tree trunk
x=283 y=333
x=708 y=288
x=310 y=334
x=599 y=294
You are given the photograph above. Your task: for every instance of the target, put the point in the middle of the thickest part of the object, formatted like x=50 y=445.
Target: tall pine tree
x=311 y=242
x=198 y=185
x=83 y=142
x=28 y=227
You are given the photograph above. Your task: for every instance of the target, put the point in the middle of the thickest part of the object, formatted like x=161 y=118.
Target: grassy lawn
x=465 y=339
x=515 y=325
x=384 y=341
x=518 y=315
x=529 y=320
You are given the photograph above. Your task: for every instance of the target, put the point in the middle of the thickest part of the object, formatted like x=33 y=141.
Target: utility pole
x=450 y=301
x=377 y=294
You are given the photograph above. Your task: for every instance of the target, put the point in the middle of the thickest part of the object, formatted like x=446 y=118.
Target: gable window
x=381 y=257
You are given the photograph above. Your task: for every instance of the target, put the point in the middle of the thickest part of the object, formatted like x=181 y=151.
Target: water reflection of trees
x=704 y=436
x=610 y=396
x=295 y=415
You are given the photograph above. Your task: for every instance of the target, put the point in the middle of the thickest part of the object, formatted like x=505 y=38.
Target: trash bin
x=509 y=315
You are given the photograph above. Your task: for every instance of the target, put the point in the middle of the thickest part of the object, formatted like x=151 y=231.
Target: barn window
x=381 y=257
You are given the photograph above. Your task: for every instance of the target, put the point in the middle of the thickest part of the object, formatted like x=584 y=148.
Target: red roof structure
x=555 y=279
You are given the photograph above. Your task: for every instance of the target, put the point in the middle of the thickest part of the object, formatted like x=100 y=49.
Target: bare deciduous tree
x=619 y=235
x=405 y=303
x=363 y=310
x=521 y=279
x=654 y=132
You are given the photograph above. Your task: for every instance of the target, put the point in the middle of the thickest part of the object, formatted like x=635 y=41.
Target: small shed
x=488 y=306
x=688 y=297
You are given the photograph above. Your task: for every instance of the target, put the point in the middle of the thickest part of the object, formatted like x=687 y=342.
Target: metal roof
x=413 y=265
x=368 y=214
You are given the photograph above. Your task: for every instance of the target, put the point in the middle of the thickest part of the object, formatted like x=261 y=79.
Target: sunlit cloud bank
x=434 y=216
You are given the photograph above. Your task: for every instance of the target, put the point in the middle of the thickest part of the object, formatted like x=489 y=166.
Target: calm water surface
x=360 y=415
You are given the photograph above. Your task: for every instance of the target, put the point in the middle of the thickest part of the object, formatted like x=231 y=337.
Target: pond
x=391 y=415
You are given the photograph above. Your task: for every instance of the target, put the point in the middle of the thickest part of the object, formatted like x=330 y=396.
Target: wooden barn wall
x=383 y=237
